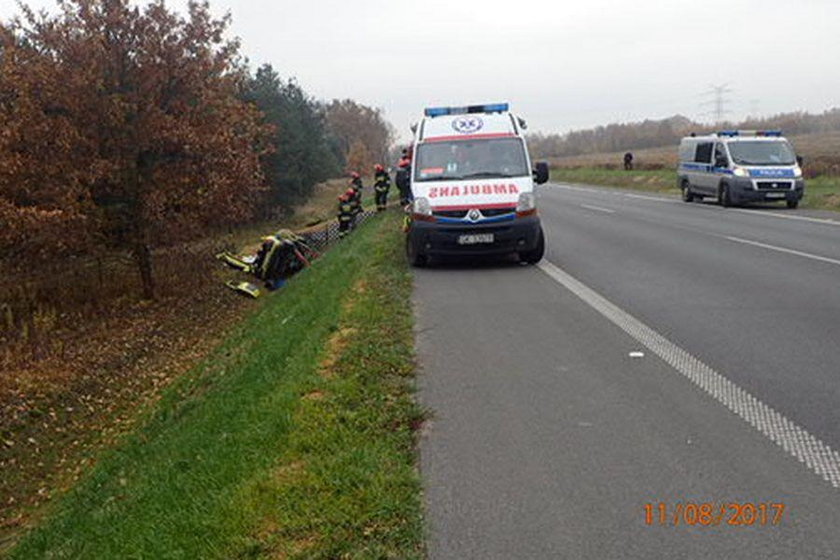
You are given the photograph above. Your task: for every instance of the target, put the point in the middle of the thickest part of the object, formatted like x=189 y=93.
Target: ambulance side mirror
x=541 y=173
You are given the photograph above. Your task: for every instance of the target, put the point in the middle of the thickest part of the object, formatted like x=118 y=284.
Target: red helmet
x=349 y=192
x=354 y=175
x=378 y=167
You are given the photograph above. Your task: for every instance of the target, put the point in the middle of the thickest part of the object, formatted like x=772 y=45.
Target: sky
x=562 y=65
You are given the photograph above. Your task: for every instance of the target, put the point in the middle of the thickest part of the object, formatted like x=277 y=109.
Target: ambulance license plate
x=475 y=238
x=774 y=195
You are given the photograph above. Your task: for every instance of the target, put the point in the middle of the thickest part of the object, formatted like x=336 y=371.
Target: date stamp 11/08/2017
x=713 y=514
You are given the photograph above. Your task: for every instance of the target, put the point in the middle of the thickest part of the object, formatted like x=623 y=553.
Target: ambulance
x=740 y=166
x=473 y=186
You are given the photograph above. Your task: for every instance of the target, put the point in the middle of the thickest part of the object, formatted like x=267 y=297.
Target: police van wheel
x=415 y=258
x=724 y=198
x=792 y=204
x=536 y=255
x=687 y=195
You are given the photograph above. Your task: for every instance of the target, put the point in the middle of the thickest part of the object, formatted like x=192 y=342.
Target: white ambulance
x=473 y=186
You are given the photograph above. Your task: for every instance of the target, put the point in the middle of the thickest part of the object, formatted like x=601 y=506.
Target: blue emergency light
x=485 y=108
x=776 y=133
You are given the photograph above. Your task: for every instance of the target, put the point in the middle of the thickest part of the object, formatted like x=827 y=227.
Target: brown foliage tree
x=352 y=122
x=122 y=126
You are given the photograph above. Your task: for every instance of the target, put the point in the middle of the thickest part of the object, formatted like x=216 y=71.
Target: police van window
x=720 y=154
x=704 y=152
x=470 y=159
x=762 y=152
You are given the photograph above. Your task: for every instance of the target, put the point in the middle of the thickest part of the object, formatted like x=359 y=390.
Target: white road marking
x=597 y=208
x=824 y=221
x=783 y=250
x=636 y=354
x=582 y=189
x=654 y=198
x=816 y=455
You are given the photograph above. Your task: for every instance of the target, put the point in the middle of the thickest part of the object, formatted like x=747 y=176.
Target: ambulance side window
x=704 y=152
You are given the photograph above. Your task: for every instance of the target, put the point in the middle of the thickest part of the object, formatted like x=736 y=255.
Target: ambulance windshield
x=471 y=159
x=758 y=152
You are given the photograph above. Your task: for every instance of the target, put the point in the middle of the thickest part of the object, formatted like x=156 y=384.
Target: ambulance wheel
x=724 y=198
x=687 y=195
x=415 y=258
x=536 y=255
x=792 y=204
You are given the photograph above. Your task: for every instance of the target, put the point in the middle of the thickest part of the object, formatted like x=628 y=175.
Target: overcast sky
x=561 y=64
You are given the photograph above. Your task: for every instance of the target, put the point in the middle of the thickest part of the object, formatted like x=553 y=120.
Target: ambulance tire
x=415 y=258
x=536 y=255
x=724 y=197
x=687 y=195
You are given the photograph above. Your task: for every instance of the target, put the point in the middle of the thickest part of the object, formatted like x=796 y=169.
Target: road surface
x=663 y=353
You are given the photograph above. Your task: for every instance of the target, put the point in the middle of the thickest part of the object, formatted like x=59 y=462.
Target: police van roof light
x=768 y=133
x=728 y=133
x=485 y=108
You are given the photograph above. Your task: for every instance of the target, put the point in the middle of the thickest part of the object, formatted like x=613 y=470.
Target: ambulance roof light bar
x=776 y=133
x=485 y=108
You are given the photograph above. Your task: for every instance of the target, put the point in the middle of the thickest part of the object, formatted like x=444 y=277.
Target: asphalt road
x=548 y=438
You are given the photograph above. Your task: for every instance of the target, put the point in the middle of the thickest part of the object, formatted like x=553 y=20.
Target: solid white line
x=824 y=221
x=598 y=208
x=816 y=455
x=783 y=250
x=582 y=189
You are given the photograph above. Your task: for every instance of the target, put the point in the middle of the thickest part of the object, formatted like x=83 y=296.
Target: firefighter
x=628 y=161
x=346 y=212
x=357 y=186
x=403 y=179
x=381 y=184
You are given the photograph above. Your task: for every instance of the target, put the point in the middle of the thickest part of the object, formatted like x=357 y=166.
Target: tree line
x=668 y=132
x=126 y=127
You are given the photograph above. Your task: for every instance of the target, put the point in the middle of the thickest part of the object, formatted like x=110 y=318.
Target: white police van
x=473 y=186
x=737 y=166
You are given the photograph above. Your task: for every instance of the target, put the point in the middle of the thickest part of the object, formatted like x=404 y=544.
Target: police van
x=737 y=166
x=473 y=186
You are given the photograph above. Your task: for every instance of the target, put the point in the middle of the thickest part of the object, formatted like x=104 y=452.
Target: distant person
x=628 y=161
x=381 y=186
x=799 y=161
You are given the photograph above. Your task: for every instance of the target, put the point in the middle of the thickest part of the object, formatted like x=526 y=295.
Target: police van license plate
x=774 y=195
x=475 y=238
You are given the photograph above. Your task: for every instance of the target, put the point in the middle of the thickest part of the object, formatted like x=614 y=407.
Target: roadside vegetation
x=295 y=438
x=126 y=163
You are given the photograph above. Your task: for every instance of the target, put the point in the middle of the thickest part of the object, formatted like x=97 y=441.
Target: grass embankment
x=821 y=192
x=296 y=438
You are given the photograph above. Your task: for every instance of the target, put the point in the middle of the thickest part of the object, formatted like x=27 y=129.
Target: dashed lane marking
x=597 y=208
x=795 y=440
x=783 y=250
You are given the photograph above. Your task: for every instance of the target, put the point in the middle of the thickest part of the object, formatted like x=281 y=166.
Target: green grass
x=821 y=192
x=296 y=439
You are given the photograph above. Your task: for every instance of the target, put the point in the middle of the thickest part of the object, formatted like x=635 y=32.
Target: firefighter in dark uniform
x=357 y=186
x=381 y=184
x=628 y=161
x=346 y=214
x=403 y=178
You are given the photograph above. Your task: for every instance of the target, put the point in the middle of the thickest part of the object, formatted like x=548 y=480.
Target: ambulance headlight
x=797 y=172
x=741 y=172
x=421 y=206
x=527 y=204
